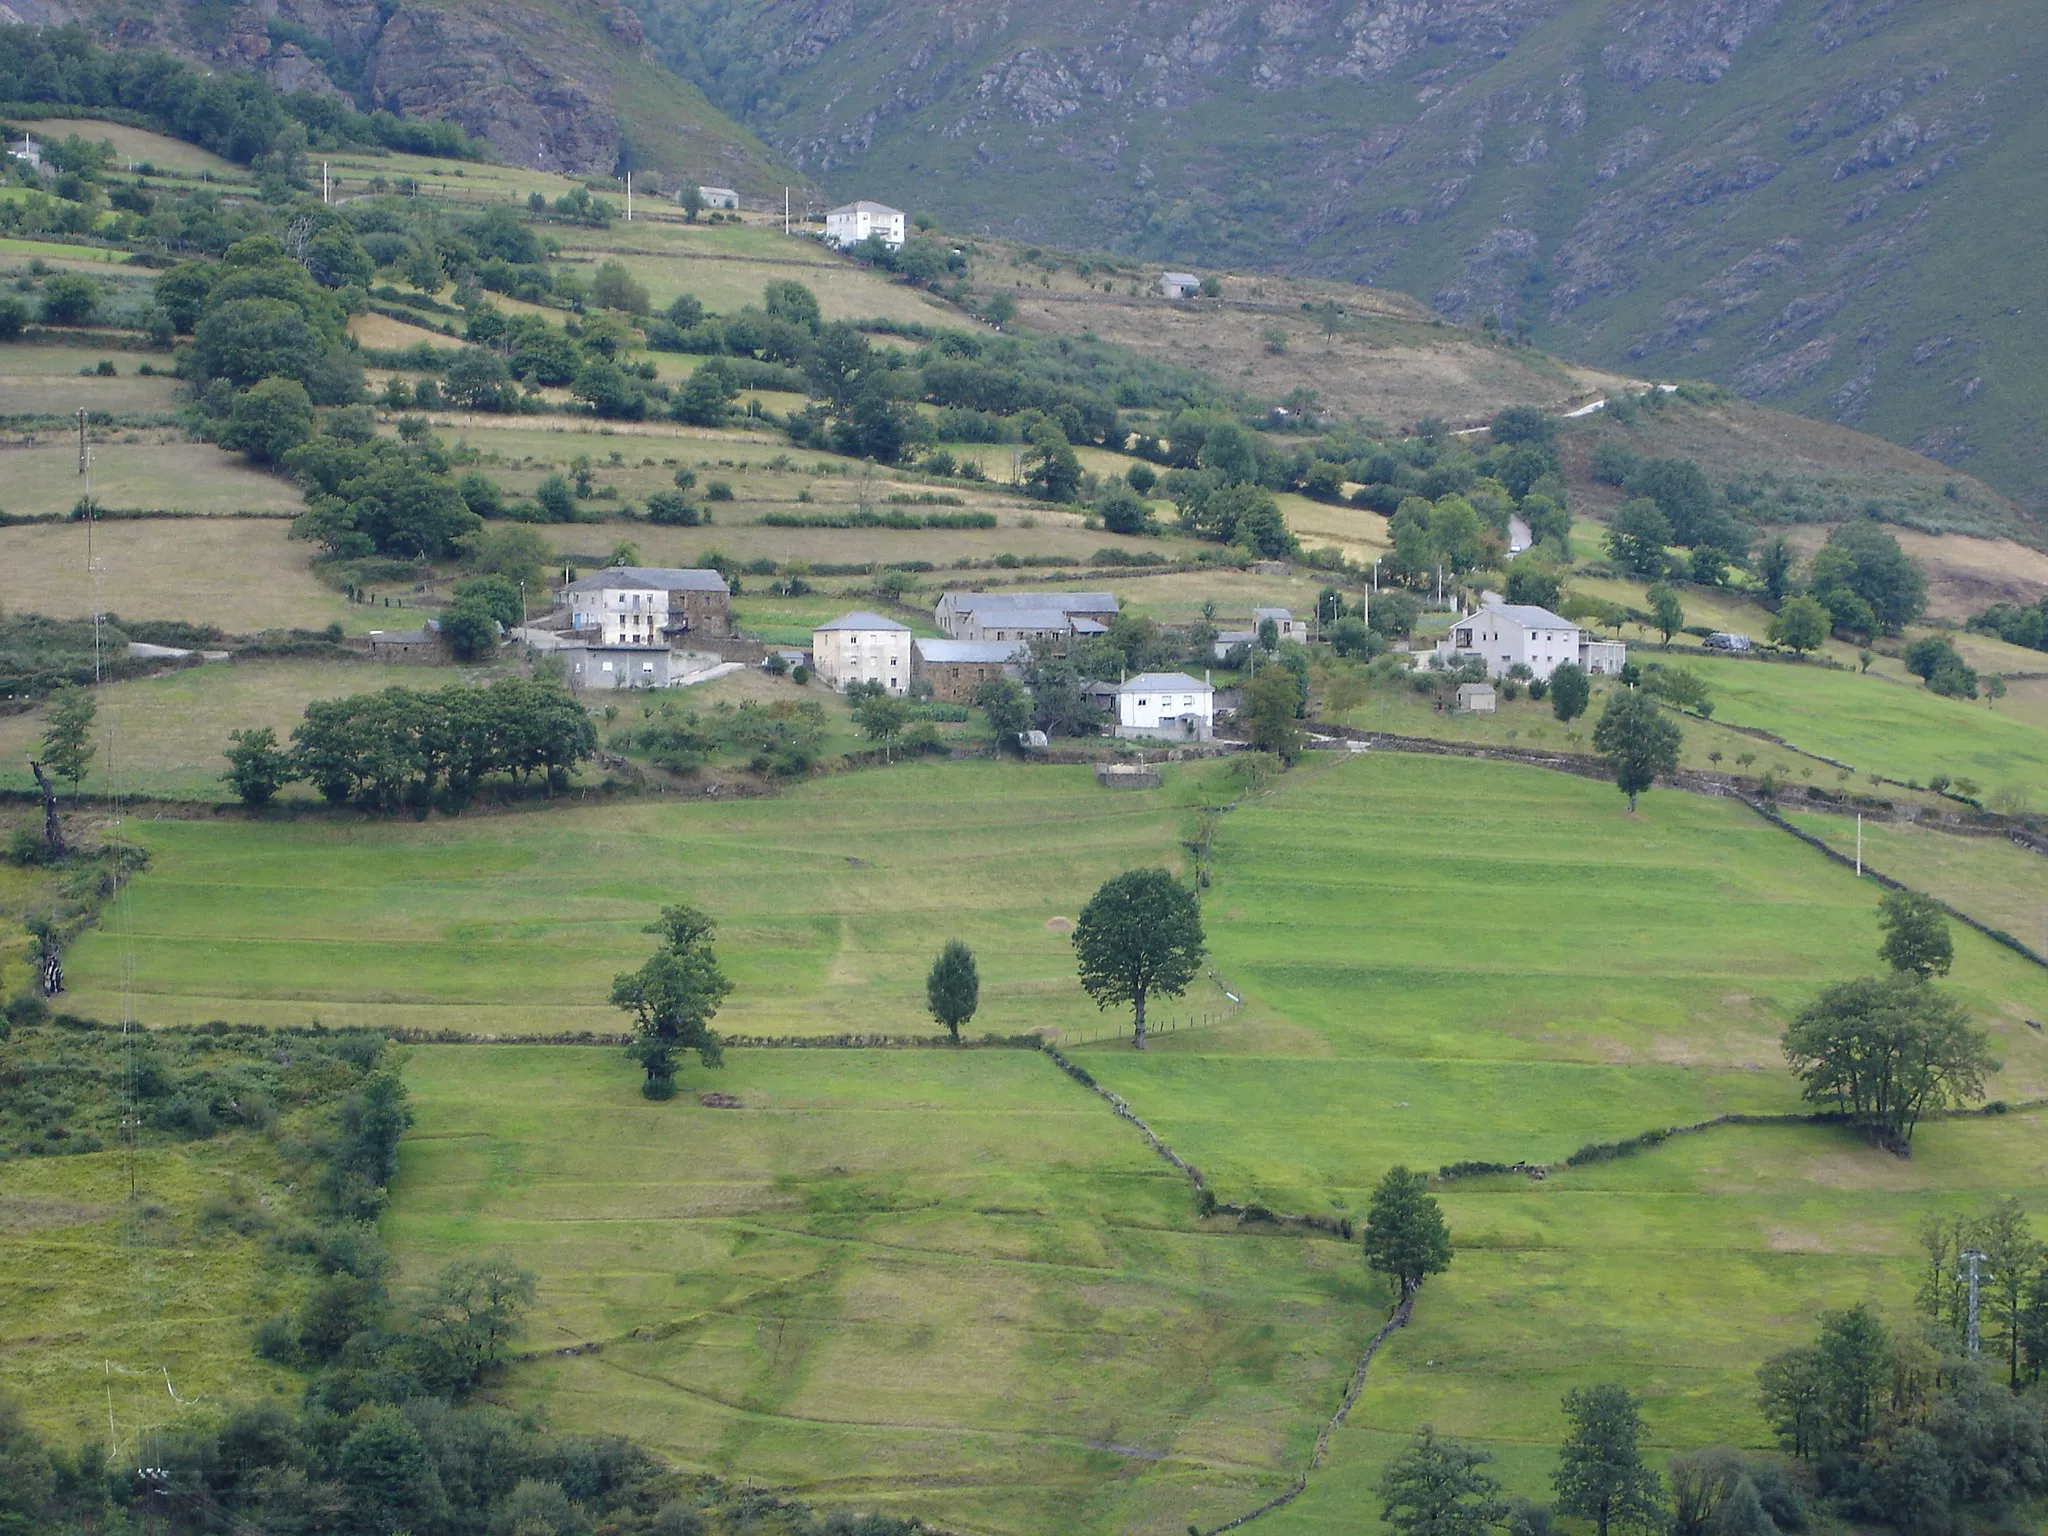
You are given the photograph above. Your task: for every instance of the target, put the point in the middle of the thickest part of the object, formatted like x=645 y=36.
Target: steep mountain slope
x=1829 y=204
x=562 y=85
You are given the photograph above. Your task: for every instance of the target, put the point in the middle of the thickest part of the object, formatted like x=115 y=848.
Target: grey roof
x=1088 y=627
x=860 y=618
x=1525 y=614
x=864 y=206
x=1179 y=277
x=648 y=578
x=968 y=650
x=1259 y=615
x=401 y=637
x=1164 y=682
x=982 y=603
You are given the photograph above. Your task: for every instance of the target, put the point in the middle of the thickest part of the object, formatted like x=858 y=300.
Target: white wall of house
x=843 y=656
x=620 y=616
x=856 y=221
x=1504 y=639
x=1170 y=704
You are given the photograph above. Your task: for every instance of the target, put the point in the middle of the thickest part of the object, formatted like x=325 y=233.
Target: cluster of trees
x=402 y=748
x=779 y=740
x=373 y=495
x=1886 y=1050
x=1437 y=1486
x=1670 y=501
x=1905 y=1428
x=1859 y=584
x=1935 y=660
x=2015 y=623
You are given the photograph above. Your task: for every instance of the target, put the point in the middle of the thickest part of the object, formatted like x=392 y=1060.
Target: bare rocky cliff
x=560 y=85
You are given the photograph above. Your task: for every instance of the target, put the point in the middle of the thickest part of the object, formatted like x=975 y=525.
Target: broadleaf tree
x=1885 y=1050
x=1638 y=740
x=672 y=998
x=1140 y=936
x=1405 y=1234
x=1601 y=1475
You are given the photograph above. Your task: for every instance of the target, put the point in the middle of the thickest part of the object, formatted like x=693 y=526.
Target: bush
x=718 y=490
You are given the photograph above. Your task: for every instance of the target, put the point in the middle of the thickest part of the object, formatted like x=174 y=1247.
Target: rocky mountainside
x=1832 y=205
x=561 y=85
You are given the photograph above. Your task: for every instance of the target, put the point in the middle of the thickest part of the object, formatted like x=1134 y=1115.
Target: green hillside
x=1828 y=207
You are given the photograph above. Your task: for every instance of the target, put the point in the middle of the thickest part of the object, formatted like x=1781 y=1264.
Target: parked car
x=1721 y=640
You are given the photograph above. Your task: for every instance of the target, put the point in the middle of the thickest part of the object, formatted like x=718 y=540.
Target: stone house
x=862 y=647
x=647 y=605
x=956 y=668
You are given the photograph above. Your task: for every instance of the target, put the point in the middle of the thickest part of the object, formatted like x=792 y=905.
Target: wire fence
x=1232 y=1002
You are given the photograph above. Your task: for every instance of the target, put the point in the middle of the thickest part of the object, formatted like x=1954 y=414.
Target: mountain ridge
x=1820 y=205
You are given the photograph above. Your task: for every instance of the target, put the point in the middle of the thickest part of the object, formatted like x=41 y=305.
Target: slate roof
x=864 y=206
x=648 y=578
x=1164 y=682
x=968 y=650
x=990 y=607
x=1525 y=614
x=860 y=618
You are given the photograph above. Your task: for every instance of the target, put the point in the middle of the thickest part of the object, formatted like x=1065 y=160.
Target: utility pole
x=326 y=184
x=1973 y=1257
x=785 y=210
x=1859 y=845
x=629 y=197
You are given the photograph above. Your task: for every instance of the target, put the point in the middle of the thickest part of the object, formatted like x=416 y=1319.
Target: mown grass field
x=1877 y=725
x=832 y=900
x=1990 y=878
x=136 y=471
x=240 y=574
x=949 y=1285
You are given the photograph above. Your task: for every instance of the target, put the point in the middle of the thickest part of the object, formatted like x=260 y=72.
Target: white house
x=646 y=605
x=854 y=222
x=28 y=151
x=1179 y=285
x=1506 y=635
x=1602 y=658
x=862 y=647
x=724 y=198
x=1166 y=706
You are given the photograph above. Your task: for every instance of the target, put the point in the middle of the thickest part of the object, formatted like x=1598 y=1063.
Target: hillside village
x=684 y=858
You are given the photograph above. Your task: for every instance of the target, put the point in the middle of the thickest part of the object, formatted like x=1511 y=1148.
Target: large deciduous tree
x=1433 y=1487
x=1601 y=1475
x=1139 y=936
x=1570 y=691
x=1405 y=1235
x=1885 y=1050
x=1638 y=740
x=672 y=998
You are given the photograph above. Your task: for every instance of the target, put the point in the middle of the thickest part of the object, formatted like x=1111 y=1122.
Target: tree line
x=407 y=749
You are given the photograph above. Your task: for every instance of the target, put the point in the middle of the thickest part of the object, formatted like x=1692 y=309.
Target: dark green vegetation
x=1822 y=207
x=1139 y=937
x=671 y=999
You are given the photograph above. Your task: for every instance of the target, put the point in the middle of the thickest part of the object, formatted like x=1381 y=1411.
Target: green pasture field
x=949 y=1285
x=1412 y=1014
x=1675 y=1272
x=1878 y=725
x=168 y=731
x=57 y=250
x=1447 y=960
x=832 y=900
x=241 y=574
x=1991 y=878
x=138 y=470
x=723 y=282
x=790 y=620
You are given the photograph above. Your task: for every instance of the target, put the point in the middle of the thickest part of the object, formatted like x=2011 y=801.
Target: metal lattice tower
x=1972 y=1257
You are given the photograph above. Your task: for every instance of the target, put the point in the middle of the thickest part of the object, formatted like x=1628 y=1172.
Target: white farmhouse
x=1167 y=706
x=1505 y=635
x=862 y=647
x=1285 y=624
x=646 y=605
x=854 y=222
x=723 y=198
x=1179 y=285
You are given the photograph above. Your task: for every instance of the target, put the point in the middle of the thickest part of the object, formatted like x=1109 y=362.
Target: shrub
x=718 y=490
